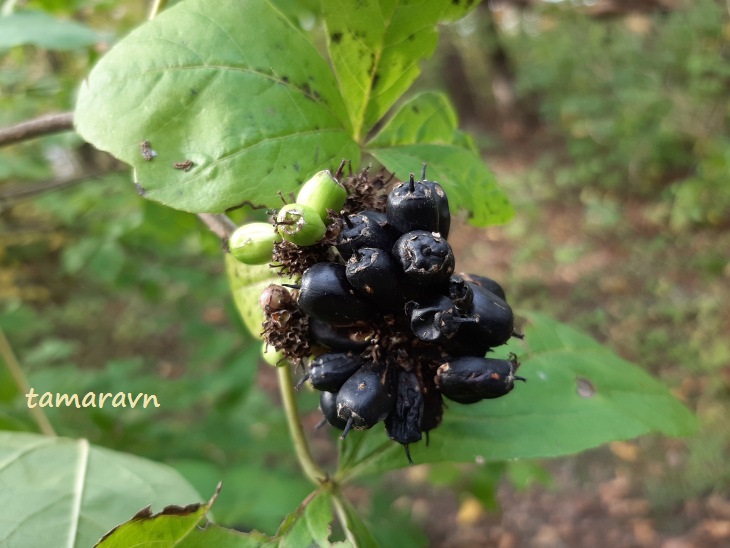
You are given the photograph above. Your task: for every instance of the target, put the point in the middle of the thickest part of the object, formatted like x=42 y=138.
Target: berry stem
x=286 y=386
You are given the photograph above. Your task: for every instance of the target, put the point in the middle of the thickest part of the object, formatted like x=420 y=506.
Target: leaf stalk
x=288 y=395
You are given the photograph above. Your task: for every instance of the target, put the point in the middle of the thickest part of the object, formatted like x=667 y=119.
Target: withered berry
x=426 y=258
x=362 y=230
x=403 y=424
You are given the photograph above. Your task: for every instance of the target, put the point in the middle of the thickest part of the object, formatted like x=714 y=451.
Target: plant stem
x=286 y=385
x=8 y=356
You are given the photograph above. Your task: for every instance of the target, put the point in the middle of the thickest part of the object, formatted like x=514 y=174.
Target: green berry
x=272 y=356
x=322 y=192
x=253 y=243
x=300 y=224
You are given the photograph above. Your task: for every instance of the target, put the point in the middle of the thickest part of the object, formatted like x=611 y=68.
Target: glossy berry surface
x=329 y=371
x=326 y=294
x=412 y=206
x=469 y=379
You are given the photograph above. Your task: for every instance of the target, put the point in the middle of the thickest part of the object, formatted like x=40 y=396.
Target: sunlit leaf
x=376 y=45
x=231 y=92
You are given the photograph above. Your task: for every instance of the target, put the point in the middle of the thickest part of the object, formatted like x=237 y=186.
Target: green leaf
x=177 y=526
x=36 y=28
x=375 y=47
x=578 y=395
x=234 y=88
x=424 y=129
x=308 y=525
x=64 y=492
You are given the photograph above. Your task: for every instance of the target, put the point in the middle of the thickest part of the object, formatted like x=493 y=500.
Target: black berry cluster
x=383 y=326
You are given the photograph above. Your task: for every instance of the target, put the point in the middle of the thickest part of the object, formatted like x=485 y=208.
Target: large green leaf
x=232 y=87
x=63 y=492
x=376 y=45
x=424 y=129
x=578 y=395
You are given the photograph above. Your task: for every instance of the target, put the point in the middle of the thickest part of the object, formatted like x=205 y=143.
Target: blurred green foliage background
x=607 y=124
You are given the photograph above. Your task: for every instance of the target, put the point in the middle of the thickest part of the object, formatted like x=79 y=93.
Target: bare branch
x=43 y=125
x=221 y=225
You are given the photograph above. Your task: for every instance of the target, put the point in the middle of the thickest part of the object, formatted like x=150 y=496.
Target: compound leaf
x=232 y=93
x=64 y=492
x=375 y=47
x=424 y=129
x=578 y=395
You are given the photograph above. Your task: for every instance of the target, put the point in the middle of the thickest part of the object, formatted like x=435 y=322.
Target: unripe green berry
x=322 y=192
x=300 y=224
x=253 y=243
x=272 y=356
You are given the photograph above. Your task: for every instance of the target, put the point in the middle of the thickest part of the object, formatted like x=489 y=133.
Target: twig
x=11 y=362
x=36 y=127
x=219 y=224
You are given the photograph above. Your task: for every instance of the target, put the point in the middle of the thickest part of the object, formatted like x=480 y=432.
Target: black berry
x=329 y=371
x=366 y=397
x=469 y=379
x=412 y=206
x=326 y=294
